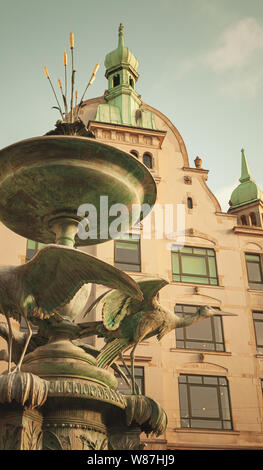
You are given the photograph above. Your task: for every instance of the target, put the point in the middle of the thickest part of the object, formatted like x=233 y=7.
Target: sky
x=200 y=64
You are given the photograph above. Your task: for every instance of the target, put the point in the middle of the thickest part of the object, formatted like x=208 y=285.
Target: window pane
x=211 y=253
x=206 y=424
x=186 y=249
x=175 y=263
x=183 y=401
x=194 y=379
x=211 y=380
x=258 y=286
x=258 y=316
x=254 y=258
x=199 y=251
x=199 y=345
x=212 y=266
x=254 y=273
x=227 y=425
x=204 y=402
x=196 y=280
x=194 y=265
x=200 y=330
x=179 y=333
x=222 y=380
x=218 y=328
x=182 y=378
x=128 y=267
x=224 y=403
x=259 y=332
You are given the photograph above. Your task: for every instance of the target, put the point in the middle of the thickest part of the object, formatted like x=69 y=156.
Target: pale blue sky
x=201 y=64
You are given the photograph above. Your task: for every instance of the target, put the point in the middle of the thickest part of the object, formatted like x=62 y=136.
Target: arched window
x=244 y=220
x=133 y=152
x=148 y=160
x=253 y=219
x=190 y=203
x=116 y=80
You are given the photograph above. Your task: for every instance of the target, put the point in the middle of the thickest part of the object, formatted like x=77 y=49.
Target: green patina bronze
x=247 y=191
x=46 y=178
x=123 y=102
x=43 y=181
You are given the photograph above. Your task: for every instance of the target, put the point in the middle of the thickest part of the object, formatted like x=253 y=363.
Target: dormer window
x=116 y=80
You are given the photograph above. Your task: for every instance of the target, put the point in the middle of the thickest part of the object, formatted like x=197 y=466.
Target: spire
x=245 y=171
x=121 y=37
x=247 y=191
x=122 y=100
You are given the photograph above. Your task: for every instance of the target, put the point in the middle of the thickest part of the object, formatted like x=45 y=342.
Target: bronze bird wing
x=117 y=305
x=55 y=274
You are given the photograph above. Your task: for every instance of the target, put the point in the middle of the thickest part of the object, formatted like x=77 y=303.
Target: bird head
x=205 y=311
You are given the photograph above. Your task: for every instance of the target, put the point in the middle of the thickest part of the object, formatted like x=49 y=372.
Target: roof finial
x=121 y=35
x=245 y=171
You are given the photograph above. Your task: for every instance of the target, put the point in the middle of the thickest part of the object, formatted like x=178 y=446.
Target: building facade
x=207 y=376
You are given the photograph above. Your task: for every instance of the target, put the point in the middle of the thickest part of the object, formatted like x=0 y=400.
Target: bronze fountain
x=57 y=397
x=62 y=394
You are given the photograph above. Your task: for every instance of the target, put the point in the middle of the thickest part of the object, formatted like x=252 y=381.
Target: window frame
x=198 y=276
x=186 y=340
x=140 y=379
x=117 y=262
x=259 y=255
x=259 y=347
x=184 y=379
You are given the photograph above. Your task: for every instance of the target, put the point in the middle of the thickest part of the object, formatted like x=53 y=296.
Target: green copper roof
x=247 y=191
x=122 y=102
x=121 y=55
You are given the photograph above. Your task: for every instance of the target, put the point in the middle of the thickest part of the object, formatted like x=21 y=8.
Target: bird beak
x=224 y=314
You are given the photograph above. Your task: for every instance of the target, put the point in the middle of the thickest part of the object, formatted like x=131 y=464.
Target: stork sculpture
x=49 y=281
x=128 y=321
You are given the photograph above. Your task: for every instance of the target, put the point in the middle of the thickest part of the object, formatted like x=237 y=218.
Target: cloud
x=239 y=44
x=236 y=60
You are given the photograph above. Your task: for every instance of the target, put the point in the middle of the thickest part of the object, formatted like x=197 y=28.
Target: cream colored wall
x=239 y=363
x=12 y=247
x=206 y=226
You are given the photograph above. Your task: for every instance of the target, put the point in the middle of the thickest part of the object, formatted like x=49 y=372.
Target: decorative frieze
x=127 y=135
x=85 y=390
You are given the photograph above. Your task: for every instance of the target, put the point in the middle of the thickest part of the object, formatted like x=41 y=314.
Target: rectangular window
x=206 y=334
x=32 y=248
x=127 y=253
x=254 y=271
x=124 y=388
x=258 y=325
x=195 y=265
x=204 y=402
